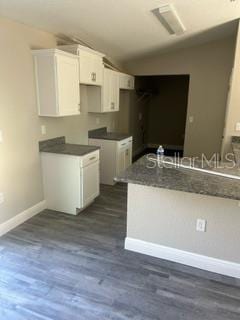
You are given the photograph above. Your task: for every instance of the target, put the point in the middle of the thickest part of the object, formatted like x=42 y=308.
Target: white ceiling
x=125 y=29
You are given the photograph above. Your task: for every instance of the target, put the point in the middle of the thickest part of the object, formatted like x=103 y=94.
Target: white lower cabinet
x=115 y=157
x=70 y=182
x=124 y=155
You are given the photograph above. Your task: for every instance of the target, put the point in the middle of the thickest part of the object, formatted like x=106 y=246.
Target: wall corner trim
x=223 y=267
x=22 y=217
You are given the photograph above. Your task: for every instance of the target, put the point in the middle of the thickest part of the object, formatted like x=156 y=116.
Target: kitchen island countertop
x=179 y=179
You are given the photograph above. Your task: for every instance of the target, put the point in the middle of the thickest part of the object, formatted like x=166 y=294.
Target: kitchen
x=60 y=74
x=58 y=265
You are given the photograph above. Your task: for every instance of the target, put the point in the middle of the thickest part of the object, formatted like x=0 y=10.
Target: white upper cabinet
x=106 y=98
x=91 y=68
x=90 y=64
x=126 y=81
x=110 y=91
x=57 y=83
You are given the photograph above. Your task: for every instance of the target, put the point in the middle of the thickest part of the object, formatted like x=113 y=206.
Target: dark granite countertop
x=58 y=145
x=180 y=179
x=103 y=134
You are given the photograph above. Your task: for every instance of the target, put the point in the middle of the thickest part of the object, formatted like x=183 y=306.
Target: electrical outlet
x=201 y=225
x=43 y=130
x=1 y=198
x=1 y=136
x=191 y=119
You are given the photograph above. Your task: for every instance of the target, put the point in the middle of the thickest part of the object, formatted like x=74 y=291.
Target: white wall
x=168 y=218
x=20 y=172
x=209 y=66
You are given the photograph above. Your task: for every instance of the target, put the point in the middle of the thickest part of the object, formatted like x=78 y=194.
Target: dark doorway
x=166 y=100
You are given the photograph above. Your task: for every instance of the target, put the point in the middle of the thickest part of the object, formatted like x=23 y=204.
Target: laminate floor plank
x=60 y=267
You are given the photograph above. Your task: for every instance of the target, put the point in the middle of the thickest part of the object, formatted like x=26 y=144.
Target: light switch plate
x=237 y=126
x=201 y=225
x=191 y=119
x=1 y=136
x=43 y=129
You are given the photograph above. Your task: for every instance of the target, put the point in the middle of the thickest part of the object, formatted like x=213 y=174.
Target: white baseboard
x=223 y=267
x=22 y=217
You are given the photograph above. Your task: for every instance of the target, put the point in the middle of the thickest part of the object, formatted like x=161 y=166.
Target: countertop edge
x=155 y=185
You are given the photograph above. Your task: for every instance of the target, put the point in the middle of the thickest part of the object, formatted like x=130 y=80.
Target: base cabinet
x=70 y=182
x=115 y=157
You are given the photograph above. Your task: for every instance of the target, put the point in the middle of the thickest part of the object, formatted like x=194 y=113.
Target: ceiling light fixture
x=170 y=19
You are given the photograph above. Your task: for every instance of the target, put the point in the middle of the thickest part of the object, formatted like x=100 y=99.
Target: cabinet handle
x=127 y=152
x=123 y=144
x=92 y=158
x=129 y=83
x=112 y=105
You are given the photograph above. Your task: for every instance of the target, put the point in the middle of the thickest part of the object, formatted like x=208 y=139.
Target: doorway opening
x=165 y=100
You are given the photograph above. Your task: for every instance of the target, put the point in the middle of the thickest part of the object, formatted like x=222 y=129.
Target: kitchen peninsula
x=172 y=202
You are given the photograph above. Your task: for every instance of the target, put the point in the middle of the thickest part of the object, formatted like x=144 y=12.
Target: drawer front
x=124 y=143
x=89 y=158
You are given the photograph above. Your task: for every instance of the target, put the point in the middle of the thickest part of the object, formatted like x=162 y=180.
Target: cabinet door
x=91 y=68
x=107 y=91
x=128 y=157
x=97 y=70
x=121 y=161
x=130 y=82
x=126 y=81
x=89 y=183
x=115 y=91
x=67 y=83
x=84 y=67
x=110 y=91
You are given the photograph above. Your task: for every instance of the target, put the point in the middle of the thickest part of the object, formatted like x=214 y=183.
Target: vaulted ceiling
x=125 y=29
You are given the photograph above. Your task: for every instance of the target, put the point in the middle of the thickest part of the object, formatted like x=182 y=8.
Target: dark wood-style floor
x=62 y=267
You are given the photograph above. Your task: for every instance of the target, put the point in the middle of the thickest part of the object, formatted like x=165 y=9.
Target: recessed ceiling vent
x=170 y=19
